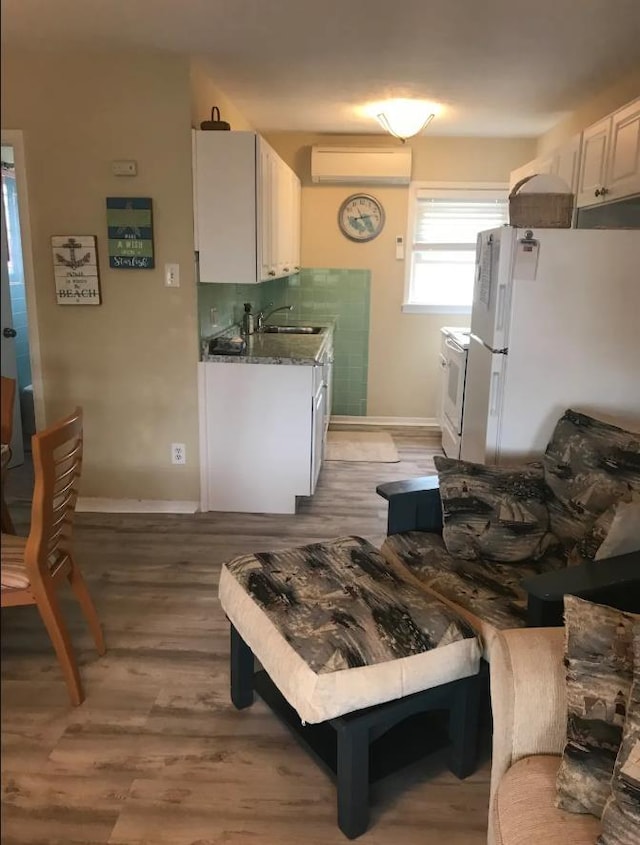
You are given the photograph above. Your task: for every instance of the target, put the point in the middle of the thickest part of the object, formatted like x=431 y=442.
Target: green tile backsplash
x=317 y=295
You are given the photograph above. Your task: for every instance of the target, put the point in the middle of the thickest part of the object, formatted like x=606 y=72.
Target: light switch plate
x=172 y=275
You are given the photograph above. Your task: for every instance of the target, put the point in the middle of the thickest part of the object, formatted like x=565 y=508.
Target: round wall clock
x=361 y=217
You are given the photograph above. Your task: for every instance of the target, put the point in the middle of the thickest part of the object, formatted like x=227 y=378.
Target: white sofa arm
x=528 y=698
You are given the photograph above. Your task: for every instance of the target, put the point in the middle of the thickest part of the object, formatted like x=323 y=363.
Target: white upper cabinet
x=610 y=160
x=244 y=209
x=566 y=162
x=563 y=162
x=531 y=168
x=600 y=164
x=593 y=164
x=289 y=214
x=623 y=178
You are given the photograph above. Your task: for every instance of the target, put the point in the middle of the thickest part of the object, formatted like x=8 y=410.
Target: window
x=444 y=224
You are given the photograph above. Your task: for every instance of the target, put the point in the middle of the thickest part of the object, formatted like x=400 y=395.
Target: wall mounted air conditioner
x=361 y=165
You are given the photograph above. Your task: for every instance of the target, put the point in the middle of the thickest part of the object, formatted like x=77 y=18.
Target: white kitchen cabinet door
x=593 y=163
x=296 y=221
x=566 y=162
x=623 y=171
x=317 y=450
x=257 y=435
x=285 y=218
x=264 y=191
x=610 y=160
x=225 y=206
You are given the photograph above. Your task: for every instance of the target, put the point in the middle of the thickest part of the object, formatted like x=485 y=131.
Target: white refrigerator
x=555 y=325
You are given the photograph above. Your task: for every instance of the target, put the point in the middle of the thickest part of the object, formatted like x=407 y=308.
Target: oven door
x=454 y=374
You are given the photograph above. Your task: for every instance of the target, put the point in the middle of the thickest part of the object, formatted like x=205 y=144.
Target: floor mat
x=371 y=446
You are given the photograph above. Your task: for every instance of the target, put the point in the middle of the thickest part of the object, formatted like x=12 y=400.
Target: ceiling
x=496 y=67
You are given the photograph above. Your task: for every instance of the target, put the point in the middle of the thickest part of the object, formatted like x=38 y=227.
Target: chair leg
x=47 y=603
x=81 y=592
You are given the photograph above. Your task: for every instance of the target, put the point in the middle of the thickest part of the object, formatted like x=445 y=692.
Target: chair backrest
x=7 y=398
x=57 y=464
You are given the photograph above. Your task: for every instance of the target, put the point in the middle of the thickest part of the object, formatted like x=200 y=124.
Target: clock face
x=361 y=217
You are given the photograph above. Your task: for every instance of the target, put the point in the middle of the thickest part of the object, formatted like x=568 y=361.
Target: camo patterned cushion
x=491 y=512
x=621 y=817
x=589 y=465
x=337 y=630
x=487 y=593
x=599 y=660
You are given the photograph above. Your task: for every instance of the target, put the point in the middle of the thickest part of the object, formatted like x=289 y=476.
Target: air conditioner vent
x=361 y=165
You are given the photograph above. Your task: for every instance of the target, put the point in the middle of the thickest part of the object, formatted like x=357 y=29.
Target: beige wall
x=602 y=104
x=205 y=94
x=403 y=348
x=131 y=362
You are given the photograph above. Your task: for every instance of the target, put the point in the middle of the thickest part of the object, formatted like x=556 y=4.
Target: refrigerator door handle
x=500 y=307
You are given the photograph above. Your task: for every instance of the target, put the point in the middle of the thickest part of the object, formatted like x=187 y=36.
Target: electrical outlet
x=178 y=453
x=172 y=275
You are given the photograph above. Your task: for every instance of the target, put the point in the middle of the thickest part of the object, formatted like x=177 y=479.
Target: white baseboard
x=96 y=505
x=430 y=423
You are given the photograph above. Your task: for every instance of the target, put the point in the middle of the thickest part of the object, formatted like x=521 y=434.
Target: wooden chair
x=7 y=399
x=33 y=567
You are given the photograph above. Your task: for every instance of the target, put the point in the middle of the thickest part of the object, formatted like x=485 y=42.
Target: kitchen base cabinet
x=261 y=435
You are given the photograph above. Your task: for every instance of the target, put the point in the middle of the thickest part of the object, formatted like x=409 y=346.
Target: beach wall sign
x=130 y=227
x=75 y=269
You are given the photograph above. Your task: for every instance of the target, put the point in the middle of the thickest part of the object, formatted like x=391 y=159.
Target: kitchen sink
x=291 y=329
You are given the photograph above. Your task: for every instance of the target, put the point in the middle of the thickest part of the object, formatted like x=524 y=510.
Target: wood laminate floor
x=157 y=754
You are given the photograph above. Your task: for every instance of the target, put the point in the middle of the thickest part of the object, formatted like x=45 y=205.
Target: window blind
x=441 y=223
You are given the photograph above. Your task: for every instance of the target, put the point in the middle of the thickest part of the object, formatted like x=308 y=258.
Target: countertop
x=273 y=348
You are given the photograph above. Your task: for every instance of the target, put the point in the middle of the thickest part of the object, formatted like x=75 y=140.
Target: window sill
x=414 y=308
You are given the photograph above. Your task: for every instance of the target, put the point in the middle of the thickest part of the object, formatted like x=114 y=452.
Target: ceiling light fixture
x=404 y=118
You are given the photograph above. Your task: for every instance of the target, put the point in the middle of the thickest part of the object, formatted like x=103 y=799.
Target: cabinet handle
x=272 y=272
x=600 y=192
x=285 y=269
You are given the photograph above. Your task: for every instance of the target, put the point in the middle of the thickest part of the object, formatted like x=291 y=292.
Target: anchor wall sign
x=130 y=223
x=75 y=268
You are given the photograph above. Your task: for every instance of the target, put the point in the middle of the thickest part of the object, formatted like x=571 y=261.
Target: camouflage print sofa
x=589 y=471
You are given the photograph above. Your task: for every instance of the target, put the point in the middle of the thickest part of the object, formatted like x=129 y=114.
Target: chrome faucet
x=261 y=317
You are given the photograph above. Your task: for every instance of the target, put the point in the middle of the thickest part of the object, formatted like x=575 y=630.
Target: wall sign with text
x=130 y=222
x=75 y=267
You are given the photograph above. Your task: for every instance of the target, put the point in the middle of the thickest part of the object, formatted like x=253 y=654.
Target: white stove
x=453 y=368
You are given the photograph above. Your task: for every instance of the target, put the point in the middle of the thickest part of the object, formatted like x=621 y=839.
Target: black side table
x=614 y=581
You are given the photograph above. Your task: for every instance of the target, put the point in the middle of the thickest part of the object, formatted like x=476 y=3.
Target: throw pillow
x=499 y=513
x=615 y=532
x=589 y=465
x=599 y=661
x=624 y=534
x=621 y=817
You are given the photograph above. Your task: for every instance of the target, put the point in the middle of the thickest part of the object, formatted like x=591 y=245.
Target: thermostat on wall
x=124 y=168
